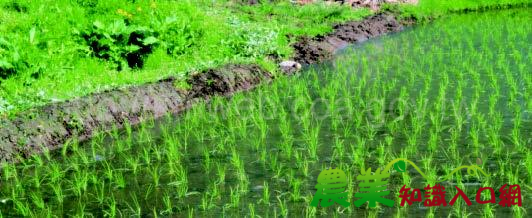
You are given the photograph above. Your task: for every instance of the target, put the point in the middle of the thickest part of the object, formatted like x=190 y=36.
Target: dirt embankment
x=312 y=50
x=49 y=127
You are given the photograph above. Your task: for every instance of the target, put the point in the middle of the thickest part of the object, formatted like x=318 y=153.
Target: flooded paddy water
x=451 y=93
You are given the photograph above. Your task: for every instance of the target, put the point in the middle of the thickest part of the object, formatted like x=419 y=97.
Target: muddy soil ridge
x=226 y=81
x=313 y=50
x=49 y=127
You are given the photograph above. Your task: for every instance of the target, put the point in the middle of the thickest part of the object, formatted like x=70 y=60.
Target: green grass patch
x=58 y=50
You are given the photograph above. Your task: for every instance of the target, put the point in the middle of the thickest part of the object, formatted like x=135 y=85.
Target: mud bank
x=308 y=51
x=49 y=127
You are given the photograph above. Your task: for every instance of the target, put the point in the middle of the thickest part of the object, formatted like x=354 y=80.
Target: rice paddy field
x=450 y=93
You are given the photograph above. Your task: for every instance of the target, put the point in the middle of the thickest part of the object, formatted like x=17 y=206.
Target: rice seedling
x=381 y=154
x=37 y=200
x=22 y=207
x=100 y=192
x=518 y=211
x=155 y=173
x=220 y=169
x=432 y=109
x=136 y=207
x=283 y=207
x=191 y=213
x=58 y=192
x=279 y=171
x=80 y=182
x=296 y=189
x=9 y=172
x=81 y=209
x=181 y=181
x=118 y=180
x=235 y=197
x=305 y=168
x=110 y=203
x=251 y=207
x=265 y=194
x=214 y=190
x=108 y=170
x=133 y=164
x=167 y=201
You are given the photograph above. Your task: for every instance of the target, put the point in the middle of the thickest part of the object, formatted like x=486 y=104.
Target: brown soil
x=49 y=127
x=308 y=51
x=226 y=80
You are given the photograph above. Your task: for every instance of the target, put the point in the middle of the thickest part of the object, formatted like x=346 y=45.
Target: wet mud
x=49 y=127
x=313 y=50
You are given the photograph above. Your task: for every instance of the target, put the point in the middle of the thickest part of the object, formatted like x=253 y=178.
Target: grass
x=49 y=62
x=262 y=153
x=56 y=65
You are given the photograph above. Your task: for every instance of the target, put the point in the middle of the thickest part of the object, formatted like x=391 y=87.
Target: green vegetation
x=11 y=60
x=58 y=50
x=92 y=46
x=435 y=8
x=441 y=95
x=120 y=43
